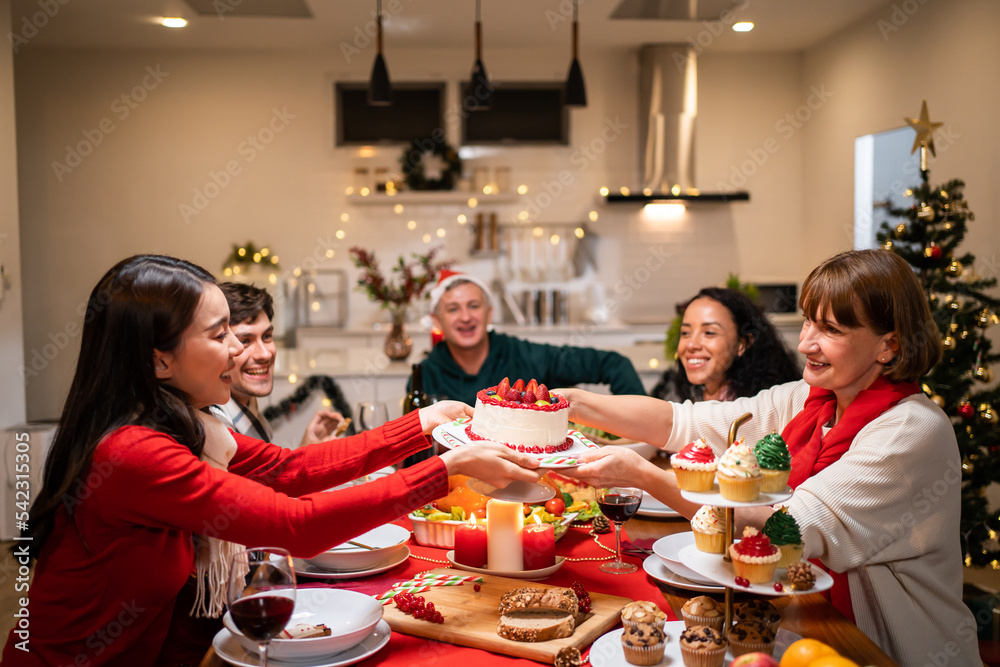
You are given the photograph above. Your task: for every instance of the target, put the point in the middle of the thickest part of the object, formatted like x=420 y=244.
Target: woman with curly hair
x=727 y=349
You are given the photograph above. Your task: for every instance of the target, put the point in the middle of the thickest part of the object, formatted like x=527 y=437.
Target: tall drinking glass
x=261 y=594
x=371 y=414
x=619 y=504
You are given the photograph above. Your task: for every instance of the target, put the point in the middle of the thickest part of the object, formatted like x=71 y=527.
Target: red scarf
x=812 y=452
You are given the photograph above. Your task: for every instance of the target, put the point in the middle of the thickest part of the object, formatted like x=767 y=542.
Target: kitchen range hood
x=668 y=108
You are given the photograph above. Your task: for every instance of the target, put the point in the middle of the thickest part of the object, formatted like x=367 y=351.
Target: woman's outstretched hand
x=493 y=463
x=443 y=412
x=611 y=466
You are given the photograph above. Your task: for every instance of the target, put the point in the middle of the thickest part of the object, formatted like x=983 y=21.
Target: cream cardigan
x=887 y=513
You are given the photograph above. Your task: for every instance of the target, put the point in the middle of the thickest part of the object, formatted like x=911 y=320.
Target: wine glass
x=619 y=503
x=261 y=594
x=371 y=414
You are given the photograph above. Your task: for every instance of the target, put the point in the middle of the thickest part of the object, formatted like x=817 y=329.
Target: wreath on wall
x=430 y=164
x=330 y=389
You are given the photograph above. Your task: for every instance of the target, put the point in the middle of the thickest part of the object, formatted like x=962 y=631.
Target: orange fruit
x=833 y=661
x=804 y=652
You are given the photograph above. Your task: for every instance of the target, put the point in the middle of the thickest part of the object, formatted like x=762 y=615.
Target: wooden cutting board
x=470 y=618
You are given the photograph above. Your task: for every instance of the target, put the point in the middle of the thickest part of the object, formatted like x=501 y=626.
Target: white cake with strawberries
x=525 y=417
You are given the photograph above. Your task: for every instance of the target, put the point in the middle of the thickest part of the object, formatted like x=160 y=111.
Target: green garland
x=412 y=163
x=290 y=405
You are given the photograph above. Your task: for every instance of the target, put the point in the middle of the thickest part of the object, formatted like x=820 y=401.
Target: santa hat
x=448 y=280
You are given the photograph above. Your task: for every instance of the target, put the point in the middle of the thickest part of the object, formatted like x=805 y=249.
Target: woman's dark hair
x=144 y=303
x=765 y=363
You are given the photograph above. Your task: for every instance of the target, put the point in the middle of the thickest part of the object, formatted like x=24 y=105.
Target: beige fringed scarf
x=212 y=555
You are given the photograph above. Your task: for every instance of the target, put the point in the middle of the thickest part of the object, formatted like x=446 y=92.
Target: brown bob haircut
x=877 y=289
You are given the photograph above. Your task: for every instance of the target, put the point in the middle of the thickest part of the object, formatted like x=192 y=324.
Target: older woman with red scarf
x=876 y=470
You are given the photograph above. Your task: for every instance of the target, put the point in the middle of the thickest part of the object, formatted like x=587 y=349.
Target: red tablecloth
x=408 y=651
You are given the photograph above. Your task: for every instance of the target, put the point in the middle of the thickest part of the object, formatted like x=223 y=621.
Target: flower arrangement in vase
x=413 y=279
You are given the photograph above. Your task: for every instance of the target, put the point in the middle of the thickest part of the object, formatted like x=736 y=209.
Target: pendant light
x=479 y=84
x=576 y=89
x=379 y=88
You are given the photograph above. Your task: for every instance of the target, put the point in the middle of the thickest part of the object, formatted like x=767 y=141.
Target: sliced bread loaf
x=539 y=600
x=535 y=625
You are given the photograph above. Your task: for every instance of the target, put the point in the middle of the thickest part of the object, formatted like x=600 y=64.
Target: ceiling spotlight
x=743 y=26
x=173 y=22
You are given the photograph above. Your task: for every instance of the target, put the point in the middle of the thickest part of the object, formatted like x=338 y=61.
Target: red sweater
x=147 y=494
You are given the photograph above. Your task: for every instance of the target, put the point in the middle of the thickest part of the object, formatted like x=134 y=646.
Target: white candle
x=503 y=534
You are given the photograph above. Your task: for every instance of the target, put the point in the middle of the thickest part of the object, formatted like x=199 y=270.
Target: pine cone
x=601 y=524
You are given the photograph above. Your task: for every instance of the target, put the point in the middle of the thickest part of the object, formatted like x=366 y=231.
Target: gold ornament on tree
x=954 y=269
x=948 y=342
x=938 y=400
x=983 y=374
x=987 y=413
x=925 y=212
x=900 y=229
x=983 y=319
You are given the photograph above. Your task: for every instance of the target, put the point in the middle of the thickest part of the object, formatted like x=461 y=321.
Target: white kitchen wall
x=187 y=115
x=12 y=396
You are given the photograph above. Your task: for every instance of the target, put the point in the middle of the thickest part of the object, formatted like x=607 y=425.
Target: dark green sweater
x=514 y=358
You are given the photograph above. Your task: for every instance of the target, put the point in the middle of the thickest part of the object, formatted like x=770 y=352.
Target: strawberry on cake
x=525 y=417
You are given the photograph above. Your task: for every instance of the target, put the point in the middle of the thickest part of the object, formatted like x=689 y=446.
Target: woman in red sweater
x=142 y=490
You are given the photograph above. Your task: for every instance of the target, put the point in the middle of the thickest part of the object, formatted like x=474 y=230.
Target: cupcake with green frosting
x=784 y=533
x=775 y=463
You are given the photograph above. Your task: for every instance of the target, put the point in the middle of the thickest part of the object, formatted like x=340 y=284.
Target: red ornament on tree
x=965 y=410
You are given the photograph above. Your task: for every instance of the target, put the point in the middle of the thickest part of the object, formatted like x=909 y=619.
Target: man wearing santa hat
x=471 y=357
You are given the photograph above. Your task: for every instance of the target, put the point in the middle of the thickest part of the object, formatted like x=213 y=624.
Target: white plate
x=347 y=557
x=650 y=506
x=396 y=556
x=715 y=499
x=655 y=568
x=350 y=615
x=607 y=650
x=711 y=566
x=667 y=550
x=228 y=648
x=529 y=575
x=453 y=435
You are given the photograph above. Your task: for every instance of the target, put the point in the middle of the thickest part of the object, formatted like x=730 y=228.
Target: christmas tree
x=928 y=236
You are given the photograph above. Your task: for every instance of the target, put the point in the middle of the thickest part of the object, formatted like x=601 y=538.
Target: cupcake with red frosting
x=754 y=557
x=694 y=466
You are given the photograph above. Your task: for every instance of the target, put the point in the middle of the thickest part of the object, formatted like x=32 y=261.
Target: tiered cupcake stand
x=719 y=568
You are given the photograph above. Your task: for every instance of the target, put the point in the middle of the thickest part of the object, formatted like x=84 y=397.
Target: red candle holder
x=471 y=544
x=436 y=336
x=539 y=540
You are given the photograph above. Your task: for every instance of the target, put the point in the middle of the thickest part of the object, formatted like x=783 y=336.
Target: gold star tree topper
x=925 y=130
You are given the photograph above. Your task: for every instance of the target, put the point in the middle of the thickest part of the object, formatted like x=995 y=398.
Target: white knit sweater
x=887 y=513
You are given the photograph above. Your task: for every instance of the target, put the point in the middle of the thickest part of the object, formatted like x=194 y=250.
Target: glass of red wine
x=619 y=503
x=261 y=594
